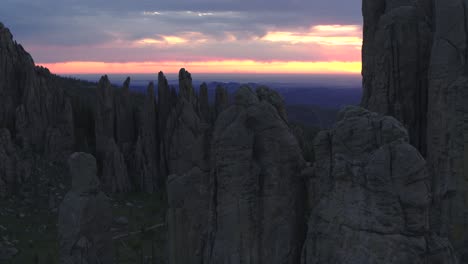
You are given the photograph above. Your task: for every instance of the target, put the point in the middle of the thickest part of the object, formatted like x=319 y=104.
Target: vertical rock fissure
x=214 y=216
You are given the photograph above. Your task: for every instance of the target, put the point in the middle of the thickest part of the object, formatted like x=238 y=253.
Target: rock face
x=448 y=123
x=124 y=119
x=147 y=146
x=203 y=105
x=113 y=168
x=370 y=196
x=249 y=208
x=221 y=100
x=419 y=78
x=85 y=216
x=186 y=134
x=36 y=114
x=187 y=216
x=9 y=178
x=264 y=93
x=17 y=74
x=258 y=205
x=32 y=107
x=187 y=154
x=104 y=117
x=185 y=86
x=165 y=106
x=396 y=53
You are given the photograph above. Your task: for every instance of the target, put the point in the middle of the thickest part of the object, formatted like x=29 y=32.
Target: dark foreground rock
x=414 y=68
x=85 y=216
x=370 y=196
x=448 y=124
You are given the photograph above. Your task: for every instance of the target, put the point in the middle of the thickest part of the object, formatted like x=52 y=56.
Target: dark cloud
x=73 y=25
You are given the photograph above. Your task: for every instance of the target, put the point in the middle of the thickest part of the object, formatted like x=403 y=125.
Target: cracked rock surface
x=371 y=196
x=396 y=54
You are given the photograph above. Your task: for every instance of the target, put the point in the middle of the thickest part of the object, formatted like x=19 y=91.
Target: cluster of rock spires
x=34 y=113
x=136 y=146
x=239 y=190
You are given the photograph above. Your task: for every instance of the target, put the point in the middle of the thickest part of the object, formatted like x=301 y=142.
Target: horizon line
x=245 y=67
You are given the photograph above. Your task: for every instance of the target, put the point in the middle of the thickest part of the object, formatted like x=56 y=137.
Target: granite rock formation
x=203 y=105
x=249 y=208
x=165 y=104
x=265 y=93
x=420 y=77
x=187 y=154
x=115 y=176
x=221 y=100
x=105 y=119
x=186 y=133
x=186 y=88
x=17 y=72
x=258 y=205
x=32 y=107
x=187 y=216
x=125 y=132
x=239 y=191
x=9 y=178
x=113 y=169
x=147 y=146
x=448 y=123
x=370 y=196
x=395 y=56
x=85 y=216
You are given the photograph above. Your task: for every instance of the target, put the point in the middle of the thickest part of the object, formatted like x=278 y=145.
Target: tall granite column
x=395 y=57
x=448 y=123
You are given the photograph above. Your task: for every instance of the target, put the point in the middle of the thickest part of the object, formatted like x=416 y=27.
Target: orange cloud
x=183 y=38
x=171 y=40
x=224 y=66
x=328 y=35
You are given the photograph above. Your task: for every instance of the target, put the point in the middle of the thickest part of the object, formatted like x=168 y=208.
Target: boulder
x=85 y=216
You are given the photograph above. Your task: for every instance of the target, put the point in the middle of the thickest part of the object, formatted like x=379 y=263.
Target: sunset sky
x=205 y=36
